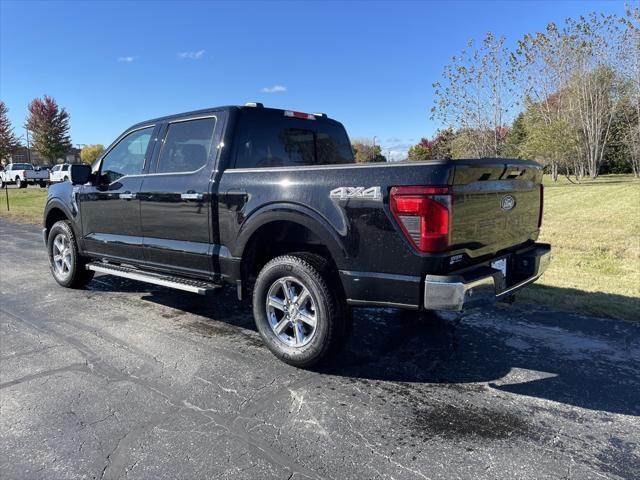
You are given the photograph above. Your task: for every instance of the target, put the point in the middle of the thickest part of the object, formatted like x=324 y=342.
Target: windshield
x=22 y=166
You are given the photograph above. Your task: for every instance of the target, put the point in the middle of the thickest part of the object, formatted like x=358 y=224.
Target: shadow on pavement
x=576 y=361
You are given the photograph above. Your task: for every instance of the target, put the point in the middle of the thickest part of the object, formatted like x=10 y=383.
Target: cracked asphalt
x=127 y=380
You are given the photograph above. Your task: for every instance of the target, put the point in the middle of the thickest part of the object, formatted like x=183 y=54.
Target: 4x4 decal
x=361 y=193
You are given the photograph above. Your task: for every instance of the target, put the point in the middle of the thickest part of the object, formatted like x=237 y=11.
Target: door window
x=127 y=157
x=187 y=146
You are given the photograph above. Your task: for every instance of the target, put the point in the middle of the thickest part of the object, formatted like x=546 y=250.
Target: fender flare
x=70 y=213
x=294 y=213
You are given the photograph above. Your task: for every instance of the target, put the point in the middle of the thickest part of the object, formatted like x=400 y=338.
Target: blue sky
x=368 y=64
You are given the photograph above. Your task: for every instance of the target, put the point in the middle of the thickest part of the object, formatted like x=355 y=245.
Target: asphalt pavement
x=128 y=380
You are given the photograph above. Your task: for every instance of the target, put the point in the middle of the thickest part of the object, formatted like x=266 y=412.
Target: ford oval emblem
x=507 y=203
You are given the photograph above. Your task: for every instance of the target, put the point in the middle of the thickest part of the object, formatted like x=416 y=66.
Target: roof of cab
x=207 y=111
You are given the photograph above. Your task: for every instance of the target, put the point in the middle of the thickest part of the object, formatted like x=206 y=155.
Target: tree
x=421 y=151
x=593 y=102
x=442 y=143
x=476 y=96
x=91 y=153
x=570 y=75
x=629 y=111
x=366 y=152
x=516 y=138
x=624 y=152
x=437 y=148
x=8 y=141
x=552 y=143
x=49 y=126
x=544 y=62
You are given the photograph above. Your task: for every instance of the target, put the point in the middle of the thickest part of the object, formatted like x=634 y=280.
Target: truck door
x=175 y=198
x=110 y=209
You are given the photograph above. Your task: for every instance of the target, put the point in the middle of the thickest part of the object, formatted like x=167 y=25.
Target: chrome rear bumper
x=481 y=284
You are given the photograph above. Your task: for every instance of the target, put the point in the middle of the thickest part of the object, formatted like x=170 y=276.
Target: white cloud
x=191 y=55
x=395 y=155
x=126 y=59
x=274 y=89
x=396 y=152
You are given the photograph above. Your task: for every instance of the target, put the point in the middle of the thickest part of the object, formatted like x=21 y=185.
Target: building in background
x=22 y=155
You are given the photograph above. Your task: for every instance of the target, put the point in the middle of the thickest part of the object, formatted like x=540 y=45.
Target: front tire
x=66 y=264
x=300 y=315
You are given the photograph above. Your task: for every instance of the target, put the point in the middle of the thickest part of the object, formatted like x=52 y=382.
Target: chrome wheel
x=61 y=254
x=291 y=311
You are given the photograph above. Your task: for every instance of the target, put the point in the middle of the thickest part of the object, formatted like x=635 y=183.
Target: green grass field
x=594 y=231
x=593 y=227
x=25 y=205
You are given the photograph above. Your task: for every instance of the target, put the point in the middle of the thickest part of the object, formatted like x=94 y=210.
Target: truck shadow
x=577 y=361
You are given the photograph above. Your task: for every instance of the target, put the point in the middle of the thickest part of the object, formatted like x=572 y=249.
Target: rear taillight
x=423 y=214
x=541 y=205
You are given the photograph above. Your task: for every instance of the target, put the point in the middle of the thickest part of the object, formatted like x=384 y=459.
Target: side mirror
x=79 y=174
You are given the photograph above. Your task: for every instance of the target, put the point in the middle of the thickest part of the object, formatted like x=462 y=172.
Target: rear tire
x=20 y=183
x=300 y=314
x=43 y=184
x=66 y=264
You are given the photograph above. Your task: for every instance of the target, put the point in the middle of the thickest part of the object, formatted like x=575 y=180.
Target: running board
x=188 y=285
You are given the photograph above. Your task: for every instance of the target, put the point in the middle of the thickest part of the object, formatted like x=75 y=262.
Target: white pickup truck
x=59 y=173
x=23 y=174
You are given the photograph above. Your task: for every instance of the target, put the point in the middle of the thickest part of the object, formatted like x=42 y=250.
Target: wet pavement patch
x=457 y=421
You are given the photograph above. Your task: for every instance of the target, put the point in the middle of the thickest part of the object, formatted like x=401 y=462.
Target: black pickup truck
x=271 y=201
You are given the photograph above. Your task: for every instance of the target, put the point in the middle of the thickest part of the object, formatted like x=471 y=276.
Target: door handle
x=127 y=196
x=191 y=196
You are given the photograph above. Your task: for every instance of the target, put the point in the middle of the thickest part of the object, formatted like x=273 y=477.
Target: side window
x=333 y=145
x=273 y=140
x=187 y=146
x=127 y=157
x=65 y=167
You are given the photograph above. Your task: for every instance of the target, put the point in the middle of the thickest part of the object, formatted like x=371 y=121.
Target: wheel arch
x=56 y=210
x=291 y=228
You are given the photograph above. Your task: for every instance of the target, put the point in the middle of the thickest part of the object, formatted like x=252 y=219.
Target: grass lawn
x=26 y=205
x=594 y=231
x=593 y=228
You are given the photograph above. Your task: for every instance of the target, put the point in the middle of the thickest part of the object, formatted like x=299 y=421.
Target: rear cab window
x=268 y=138
x=187 y=145
x=22 y=166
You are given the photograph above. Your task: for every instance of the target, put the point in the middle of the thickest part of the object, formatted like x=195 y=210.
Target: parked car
x=23 y=174
x=271 y=202
x=59 y=173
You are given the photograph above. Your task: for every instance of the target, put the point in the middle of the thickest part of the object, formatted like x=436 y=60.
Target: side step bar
x=179 y=283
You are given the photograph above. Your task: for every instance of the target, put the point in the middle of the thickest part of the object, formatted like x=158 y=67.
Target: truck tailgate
x=496 y=205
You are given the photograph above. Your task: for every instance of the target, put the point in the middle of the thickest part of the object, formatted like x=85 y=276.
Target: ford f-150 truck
x=23 y=174
x=271 y=202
